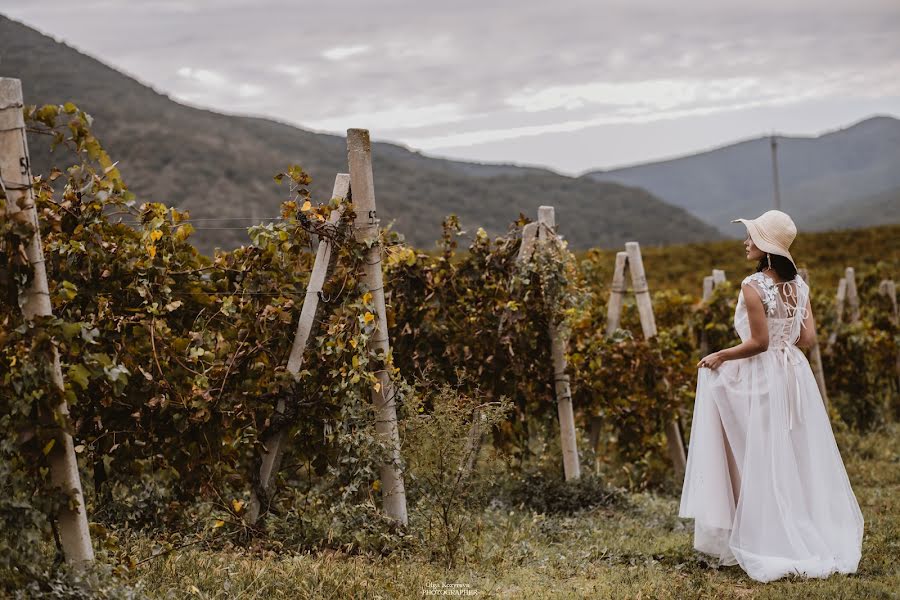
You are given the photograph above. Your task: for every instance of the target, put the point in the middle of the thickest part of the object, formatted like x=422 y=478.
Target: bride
x=765 y=482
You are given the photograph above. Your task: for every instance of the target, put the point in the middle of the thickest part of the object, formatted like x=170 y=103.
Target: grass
x=638 y=550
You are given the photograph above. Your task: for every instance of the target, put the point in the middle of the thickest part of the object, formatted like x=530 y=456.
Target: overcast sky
x=572 y=85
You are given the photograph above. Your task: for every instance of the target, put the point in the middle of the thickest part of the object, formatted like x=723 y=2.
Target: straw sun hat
x=773 y=232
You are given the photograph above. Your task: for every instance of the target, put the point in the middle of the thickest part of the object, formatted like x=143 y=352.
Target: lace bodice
x=785 y=305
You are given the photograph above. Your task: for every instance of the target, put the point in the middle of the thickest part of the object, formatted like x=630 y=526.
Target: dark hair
x=784 y=267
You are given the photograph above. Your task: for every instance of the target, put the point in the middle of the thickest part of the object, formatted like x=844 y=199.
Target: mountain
x=862 y=212
x=219 y=165
x=824 y=180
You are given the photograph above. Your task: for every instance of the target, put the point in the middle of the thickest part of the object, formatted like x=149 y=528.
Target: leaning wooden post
x=362 y=192
x=568 y=440
x=852 y=296
x=815 y=355
x=616 y=294
x=15 y=175
x=648 y=324
x=274 y=444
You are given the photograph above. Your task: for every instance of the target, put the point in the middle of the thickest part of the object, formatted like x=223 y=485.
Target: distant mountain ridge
x=220 y=165
x=823 y=180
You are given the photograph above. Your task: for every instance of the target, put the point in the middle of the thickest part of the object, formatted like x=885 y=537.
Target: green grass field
x=638 y=550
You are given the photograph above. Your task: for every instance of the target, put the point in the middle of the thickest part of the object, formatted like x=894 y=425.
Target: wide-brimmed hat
x=773 y=232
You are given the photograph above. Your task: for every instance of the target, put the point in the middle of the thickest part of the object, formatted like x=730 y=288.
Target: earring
x=769 y=259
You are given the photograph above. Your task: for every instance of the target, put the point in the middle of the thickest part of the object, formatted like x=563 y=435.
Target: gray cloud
x=503 y=80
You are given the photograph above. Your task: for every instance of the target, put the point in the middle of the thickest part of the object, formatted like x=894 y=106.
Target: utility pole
x=774 y=145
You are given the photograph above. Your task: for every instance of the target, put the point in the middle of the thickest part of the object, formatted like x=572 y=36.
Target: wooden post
x=616 y=294
x=852 y=297
x=707 y=287
x=641 y=290
x=838 y=310
x=15 y=175
x=362 y=190
x=648 y=324
x=529 y=237
x=815 y=355
x=568 y=440
x=273 y=445
x=596 y=424
x=888 y=288
x=710 y=282
x=473 y=444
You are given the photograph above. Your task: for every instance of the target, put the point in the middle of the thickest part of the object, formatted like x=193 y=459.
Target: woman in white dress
x=765 y=482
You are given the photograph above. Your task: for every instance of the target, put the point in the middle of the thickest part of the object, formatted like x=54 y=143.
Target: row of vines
x=174 y=361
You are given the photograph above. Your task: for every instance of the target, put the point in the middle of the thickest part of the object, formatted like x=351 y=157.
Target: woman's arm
x=808 y=329
x=759 y=333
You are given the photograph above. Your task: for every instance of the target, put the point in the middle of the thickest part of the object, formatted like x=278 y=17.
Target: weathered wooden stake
x=274 y=444
x=635 y=263
x=529 y=237
x=15 y=175
x=838 y=310
x=815 y=356
x=362 y=190
x=888 y=288
x=568 y=440
x=616 y=294
x=710 y=282
x=641 y=290
x=852 y=296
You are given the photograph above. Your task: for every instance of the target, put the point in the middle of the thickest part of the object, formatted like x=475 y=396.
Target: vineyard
x=203 y=429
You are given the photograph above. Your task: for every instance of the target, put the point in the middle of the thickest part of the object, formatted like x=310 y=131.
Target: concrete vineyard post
x=616 y=294
x=568 y=440
x=362 y=193
x=274 y=444
x=15 y=174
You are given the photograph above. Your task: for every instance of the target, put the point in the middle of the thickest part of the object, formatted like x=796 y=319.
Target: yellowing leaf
x=368 y=317
x=151 y=250
x=237 y=505
x=377 y=386
x=306 y=206
x=376 y=485
x=367 y=297
x=155 y=235
x=218 y=523
x=49 y=446
x=353 y=342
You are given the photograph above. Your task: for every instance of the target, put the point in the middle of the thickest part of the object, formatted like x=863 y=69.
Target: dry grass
x=640 y=551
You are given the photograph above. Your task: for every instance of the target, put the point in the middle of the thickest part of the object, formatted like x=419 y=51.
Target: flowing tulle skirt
x=765 y=482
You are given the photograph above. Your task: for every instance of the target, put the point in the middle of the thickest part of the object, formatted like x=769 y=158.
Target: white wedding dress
x=765 y=482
